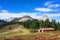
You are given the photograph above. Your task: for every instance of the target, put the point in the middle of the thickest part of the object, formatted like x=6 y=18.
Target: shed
x=45 y=29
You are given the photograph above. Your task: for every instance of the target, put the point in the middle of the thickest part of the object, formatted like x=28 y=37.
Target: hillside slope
x=11 y=27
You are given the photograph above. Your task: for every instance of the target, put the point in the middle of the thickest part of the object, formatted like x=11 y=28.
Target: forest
x=34 y=24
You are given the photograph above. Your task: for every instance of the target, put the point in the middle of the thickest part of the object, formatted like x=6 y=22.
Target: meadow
x=26 y=35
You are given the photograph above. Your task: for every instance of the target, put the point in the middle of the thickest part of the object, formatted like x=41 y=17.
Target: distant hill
x=2 y=21
x=11 y=27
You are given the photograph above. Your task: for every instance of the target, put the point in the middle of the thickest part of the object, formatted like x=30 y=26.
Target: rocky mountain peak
x=26 y=16
x=44 y=17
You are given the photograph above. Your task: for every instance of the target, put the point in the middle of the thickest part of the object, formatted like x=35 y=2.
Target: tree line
x=34 y=24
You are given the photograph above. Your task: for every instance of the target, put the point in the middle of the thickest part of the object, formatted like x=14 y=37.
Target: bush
x=33 y=30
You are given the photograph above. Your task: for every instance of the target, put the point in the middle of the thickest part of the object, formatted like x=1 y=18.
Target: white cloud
x=44 y=9
x=51 y=5
x=4 y=11
x=53 y=15
x=54 y=6
x=47 y=3
x=5 y=14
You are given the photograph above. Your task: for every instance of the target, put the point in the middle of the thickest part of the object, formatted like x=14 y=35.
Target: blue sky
x=33 y=8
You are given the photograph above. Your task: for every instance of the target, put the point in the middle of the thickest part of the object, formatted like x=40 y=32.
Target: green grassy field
x=10 y=34
x=55 y=35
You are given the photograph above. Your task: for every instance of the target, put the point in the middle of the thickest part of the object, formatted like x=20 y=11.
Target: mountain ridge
x=25 y=18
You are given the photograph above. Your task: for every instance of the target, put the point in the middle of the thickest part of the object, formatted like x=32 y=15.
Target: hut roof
x=46 y=29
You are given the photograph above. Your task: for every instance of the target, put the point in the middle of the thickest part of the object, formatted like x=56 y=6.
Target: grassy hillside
x=11 y=27
x=31 y=36
x=17 y=33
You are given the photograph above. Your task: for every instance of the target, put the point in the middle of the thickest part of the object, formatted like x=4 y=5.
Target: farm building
x=45 y=29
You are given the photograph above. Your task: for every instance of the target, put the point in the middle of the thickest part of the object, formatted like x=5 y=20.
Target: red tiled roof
x=46 y=29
